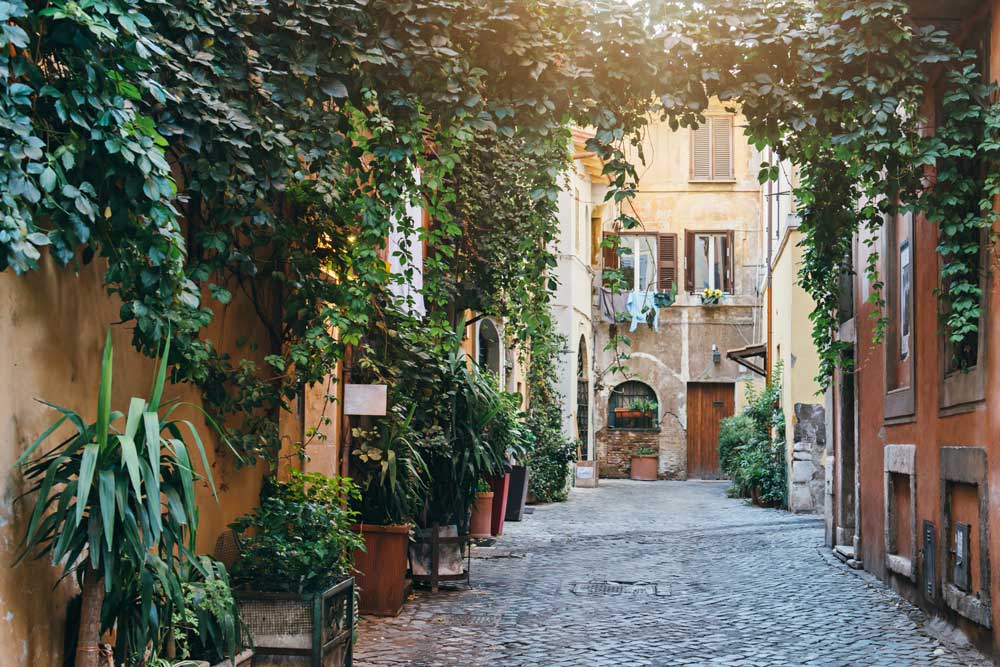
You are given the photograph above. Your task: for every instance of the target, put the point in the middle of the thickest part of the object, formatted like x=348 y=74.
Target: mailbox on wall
x=927 y=557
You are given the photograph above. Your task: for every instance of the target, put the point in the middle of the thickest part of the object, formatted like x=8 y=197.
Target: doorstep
x=846 y=555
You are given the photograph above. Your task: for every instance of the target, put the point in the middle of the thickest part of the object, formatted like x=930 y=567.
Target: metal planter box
x=300 y=630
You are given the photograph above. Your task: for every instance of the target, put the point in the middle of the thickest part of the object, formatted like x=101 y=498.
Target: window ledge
x=715 y=181
x=620 y=429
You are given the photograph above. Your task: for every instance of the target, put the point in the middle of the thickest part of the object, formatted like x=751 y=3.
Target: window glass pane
x=904 y=299
x=719 y=262
x=645 y=253
x=627 y=262
x=701 y=262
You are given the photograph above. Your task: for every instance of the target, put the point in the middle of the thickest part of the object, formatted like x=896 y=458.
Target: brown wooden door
x=707 y=404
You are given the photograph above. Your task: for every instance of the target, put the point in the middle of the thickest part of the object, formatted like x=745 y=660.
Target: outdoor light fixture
x=716 y=355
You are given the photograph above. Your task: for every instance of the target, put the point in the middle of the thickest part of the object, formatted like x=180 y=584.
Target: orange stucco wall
x=52 y=324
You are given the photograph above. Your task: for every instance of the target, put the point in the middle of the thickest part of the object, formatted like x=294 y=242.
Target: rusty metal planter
x=311 y=629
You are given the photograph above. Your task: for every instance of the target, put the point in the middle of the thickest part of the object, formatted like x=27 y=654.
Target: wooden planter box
x=644 y=468
x=307 y=630
x=380 y=570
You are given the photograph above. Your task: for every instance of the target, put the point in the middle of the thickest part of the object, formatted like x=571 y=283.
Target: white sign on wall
x=365 y=399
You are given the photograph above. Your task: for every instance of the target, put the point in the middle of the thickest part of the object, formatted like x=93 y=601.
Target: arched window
x=633 y=405
x=489 y=347
x=583 y=400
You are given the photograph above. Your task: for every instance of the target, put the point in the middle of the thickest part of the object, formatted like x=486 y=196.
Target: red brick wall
x=619 y=446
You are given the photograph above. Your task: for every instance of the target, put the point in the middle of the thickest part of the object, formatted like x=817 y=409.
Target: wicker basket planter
x=307 y=630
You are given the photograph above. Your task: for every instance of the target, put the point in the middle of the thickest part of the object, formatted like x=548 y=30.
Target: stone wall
x=620 y=445
x=808 y=471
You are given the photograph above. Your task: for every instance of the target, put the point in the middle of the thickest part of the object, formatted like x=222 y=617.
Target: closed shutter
x=729 y=263
x=667 y=262
x=722 y=148
x=610 y=256
x=701 y=152
x=689 y=261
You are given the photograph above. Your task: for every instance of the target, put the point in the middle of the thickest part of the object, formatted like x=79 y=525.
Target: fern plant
x=115 y=505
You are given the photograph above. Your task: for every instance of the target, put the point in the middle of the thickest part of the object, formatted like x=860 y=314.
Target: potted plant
x=711 y=297
x=295 y=592
x=208 y=631
x=116 y=507
x=389 y=471
x=510 y=434
x=482 y=511
x=644 y=465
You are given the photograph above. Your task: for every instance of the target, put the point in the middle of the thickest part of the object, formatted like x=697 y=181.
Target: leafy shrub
x=300 y=539
x=209 y=626
x=548 y=463
x=752 y=446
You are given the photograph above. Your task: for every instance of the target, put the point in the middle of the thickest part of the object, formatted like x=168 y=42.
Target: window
x=648 y=261
x=712 y=150
x=900 y=342
x=633 y=405
x=962 y=374
x=709 y=261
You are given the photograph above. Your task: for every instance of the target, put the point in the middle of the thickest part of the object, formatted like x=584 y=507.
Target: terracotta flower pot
x=644 y=468
x=380 y=570
x=500 y=485
x=482 y=515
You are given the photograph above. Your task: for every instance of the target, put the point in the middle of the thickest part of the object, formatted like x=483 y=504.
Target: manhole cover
x=487 y=620
x=617 y=588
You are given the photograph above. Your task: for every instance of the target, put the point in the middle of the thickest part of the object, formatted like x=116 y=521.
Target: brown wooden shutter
x=701 y=152
x=667 y=262
x=722 y=147
x=689 y=261
x=729 y=263
x=609 y=255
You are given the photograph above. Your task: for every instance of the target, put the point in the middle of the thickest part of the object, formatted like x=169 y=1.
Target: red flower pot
x=482 y=515
x=644 y=468
x=501 y=486
x=380 y=570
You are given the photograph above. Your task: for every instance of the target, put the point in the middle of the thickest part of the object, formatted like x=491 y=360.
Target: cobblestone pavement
x=657 y=573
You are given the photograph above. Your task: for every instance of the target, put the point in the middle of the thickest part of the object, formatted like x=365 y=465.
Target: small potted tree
x=644 y=465
x=295 y=591
x=115 y=505
x=390 y=473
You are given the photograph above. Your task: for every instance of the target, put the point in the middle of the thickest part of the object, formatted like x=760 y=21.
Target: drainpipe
x=770 y=232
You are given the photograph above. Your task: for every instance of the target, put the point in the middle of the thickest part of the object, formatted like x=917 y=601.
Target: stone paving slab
x=652 y=574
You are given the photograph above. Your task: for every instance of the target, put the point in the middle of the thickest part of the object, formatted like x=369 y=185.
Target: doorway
x=582 y=401
x=708 y=403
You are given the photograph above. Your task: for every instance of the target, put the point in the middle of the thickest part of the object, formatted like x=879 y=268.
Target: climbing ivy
x=204 y=150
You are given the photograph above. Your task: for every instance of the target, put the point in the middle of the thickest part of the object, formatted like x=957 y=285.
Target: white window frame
x=712 y=238
x=632 y=240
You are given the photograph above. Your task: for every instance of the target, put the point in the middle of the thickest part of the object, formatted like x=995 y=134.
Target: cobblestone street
x=665 y=573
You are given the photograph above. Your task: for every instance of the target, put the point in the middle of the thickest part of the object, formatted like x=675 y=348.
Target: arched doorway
x=583 y=400
x=490 y=349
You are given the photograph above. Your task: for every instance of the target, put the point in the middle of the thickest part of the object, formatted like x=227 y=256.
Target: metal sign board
x=365 y=399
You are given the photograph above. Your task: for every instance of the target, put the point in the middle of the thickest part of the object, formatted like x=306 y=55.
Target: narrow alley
x=666 y=573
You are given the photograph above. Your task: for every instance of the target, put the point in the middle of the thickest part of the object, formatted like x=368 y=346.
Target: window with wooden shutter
x=667 y=262
x=609 y=256
x=708 y=261
x=712 y=150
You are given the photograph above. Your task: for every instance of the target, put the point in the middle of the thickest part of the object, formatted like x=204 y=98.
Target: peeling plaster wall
x=53 y=324
x=681 y=352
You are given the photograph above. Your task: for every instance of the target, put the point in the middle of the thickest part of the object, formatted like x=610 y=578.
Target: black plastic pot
x=517 y=494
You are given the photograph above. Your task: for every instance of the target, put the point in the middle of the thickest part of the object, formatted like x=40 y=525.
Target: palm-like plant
x=117 y=507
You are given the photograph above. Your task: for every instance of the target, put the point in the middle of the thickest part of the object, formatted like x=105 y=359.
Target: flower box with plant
x=389 y=470
x=711 y=297
x=116 y=506
x=644 y=465
x=295 y=591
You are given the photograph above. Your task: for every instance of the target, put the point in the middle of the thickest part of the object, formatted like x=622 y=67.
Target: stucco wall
x=681 y=352
x=53 y=324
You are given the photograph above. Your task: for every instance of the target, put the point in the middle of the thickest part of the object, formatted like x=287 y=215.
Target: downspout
x=770 y=231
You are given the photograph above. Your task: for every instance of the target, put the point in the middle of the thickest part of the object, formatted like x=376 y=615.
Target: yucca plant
x=116 y=506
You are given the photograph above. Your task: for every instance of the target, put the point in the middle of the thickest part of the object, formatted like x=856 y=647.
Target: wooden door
x=708 y=403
